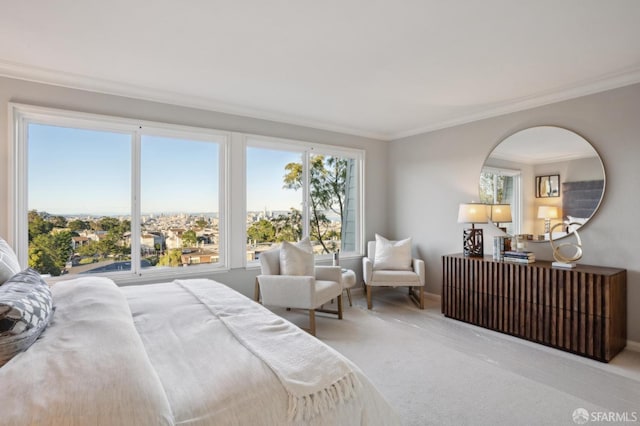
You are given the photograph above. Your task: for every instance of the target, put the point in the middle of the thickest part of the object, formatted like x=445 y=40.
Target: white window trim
x=20 y=115
x=232 y=171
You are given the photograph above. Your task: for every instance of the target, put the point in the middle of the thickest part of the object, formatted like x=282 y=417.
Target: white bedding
x=176 y=362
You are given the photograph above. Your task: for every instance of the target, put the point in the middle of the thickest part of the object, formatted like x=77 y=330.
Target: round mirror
x=538 y=177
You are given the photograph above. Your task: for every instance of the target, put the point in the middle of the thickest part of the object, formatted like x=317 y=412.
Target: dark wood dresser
x=581 y=310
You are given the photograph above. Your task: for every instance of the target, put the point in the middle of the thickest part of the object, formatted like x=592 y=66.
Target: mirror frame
x=602 y=166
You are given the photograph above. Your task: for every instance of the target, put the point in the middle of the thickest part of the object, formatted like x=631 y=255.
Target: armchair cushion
x=393 y=255
x=297 y=259
x=395 y=278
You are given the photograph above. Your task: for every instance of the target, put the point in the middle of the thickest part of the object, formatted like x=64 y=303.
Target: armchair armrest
x=367 y=269
x=329 y=273
x=288 y=291
x=418 y=268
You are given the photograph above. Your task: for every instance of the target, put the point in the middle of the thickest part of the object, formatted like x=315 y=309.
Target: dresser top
x=591 y=269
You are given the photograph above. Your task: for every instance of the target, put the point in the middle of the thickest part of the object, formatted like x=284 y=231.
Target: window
x=86 y=179
x=502 y=186
x=293 y=193
x=274 y=208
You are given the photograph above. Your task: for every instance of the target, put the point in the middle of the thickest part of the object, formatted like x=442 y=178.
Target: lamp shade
x=500 y=213
x=547 y=212
x=472 y=213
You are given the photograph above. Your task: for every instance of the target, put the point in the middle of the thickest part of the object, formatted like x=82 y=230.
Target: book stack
x=500 y=244
x=519 y=256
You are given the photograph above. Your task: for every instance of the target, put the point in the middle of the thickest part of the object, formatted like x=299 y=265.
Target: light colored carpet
x=438 y=371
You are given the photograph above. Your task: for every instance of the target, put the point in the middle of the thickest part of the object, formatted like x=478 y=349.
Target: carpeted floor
x=438 y=371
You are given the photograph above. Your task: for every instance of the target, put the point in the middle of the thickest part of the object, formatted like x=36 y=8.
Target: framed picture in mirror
x=547 y=186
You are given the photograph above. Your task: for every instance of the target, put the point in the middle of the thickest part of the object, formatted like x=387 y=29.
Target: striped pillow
x=26 y=306
x=9 y=265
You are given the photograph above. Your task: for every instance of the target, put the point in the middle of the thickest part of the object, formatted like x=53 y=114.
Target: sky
x=76 y=171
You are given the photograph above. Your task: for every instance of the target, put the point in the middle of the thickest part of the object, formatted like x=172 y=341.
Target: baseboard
x=633 y=346
x=433 y=296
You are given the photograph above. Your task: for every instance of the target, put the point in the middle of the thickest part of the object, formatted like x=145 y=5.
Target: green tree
x=78 y=225
x=108 y=223
x=327 y=184
x=189 y=238
x=48 y=253
x=58 y=221
x=262 y=231
x=288 y=226
x=38 y=225
x=171 y=258
x=201 y=223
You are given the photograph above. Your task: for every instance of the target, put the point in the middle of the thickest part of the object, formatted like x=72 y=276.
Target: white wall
x=430 y=174
x=58 y=97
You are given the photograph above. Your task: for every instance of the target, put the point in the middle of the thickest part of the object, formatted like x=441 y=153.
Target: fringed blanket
x=315 y=376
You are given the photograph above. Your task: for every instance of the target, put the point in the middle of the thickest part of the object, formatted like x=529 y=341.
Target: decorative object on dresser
x=581 y=310
x=519 y=256
x=563 y=260
x=472 y=240
x=547 y=213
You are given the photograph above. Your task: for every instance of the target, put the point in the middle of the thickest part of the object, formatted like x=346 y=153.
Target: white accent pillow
x=392 y=254
x=9 y=265
x=297 y=259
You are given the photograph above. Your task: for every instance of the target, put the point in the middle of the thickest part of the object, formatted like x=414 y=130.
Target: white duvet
x=161 y=354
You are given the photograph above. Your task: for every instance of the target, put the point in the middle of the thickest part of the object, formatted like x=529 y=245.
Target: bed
x=188 y=352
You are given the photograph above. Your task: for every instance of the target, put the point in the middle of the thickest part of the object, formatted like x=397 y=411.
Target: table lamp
x=547 y=213
x=472 y=240
x=500 y=213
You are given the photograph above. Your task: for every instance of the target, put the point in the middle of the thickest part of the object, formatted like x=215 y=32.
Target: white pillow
x=392 y=254
x=297 y=259
x=9 y=265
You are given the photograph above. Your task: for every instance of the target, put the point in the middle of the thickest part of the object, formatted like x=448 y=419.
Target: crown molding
x=602 y=83
x=109 y=87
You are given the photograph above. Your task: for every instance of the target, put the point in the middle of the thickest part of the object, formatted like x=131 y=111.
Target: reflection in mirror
x=509 y=177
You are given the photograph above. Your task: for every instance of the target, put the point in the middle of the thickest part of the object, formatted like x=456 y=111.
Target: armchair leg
x=340 y=307
x=349 y=296
x=417 y=298
x=312 y=322
x=369 y=289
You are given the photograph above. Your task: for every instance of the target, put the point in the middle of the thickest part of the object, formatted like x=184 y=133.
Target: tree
x=327 y=184
x=189 y=238
x=38 y=225
x=288 y=227
x=171 y=258
x=262 y=231
x=59 y=221
x=201 y=223
x=48 y=253
x=78 y=225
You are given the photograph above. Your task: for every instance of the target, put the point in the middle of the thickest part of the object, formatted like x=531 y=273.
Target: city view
x=173 y=172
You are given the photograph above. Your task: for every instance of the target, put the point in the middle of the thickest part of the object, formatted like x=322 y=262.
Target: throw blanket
x=315 y=376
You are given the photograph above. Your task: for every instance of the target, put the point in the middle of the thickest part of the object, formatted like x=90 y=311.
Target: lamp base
x=473 y=242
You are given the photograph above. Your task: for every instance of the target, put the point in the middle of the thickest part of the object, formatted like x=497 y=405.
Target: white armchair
x=376 y=277
x=298 y=291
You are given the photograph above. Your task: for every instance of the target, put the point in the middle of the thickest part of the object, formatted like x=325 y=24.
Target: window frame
x=22 y=115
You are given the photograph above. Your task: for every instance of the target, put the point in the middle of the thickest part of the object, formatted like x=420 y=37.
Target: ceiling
x=382 y=69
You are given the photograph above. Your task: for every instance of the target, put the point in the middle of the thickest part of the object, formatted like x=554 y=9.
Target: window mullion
x=306 y=194
x=135 y=201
